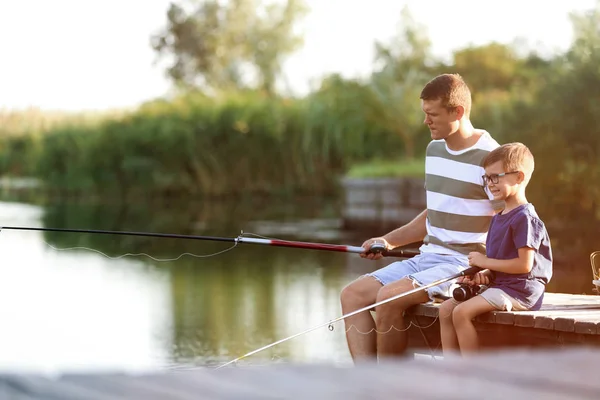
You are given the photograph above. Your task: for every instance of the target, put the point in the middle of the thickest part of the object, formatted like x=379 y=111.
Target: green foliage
x=195 y=145
x=562 y=126
x=345 y=112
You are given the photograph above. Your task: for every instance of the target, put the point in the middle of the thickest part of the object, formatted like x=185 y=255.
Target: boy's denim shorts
x=424 y=269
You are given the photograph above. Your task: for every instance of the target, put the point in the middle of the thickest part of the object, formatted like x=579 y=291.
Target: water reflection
x=246 y=300
x=77 y=310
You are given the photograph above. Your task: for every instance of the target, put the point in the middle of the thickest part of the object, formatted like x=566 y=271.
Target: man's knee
x=360 y=293
x=398 y=289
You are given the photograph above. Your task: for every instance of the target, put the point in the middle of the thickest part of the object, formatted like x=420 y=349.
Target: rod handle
x=400 y=253
x=378 y=248
x=470 y=271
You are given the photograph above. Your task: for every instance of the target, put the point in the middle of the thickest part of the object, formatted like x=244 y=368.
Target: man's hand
x=477 y=259
x=367 y=245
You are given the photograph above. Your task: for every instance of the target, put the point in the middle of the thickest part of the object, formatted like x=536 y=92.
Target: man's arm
x=412 y=232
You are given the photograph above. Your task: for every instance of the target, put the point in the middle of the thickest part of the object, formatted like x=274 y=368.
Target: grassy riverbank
x=388 y=169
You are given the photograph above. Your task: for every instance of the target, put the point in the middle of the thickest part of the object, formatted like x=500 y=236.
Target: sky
x=79 y=55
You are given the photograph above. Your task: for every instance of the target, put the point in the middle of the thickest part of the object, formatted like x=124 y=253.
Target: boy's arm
x=520 y=265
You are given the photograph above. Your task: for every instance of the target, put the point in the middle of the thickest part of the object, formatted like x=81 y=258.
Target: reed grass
x=193 y=145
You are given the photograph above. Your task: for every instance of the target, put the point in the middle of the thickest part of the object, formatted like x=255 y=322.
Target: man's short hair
x=514 y=157
x=451 y=89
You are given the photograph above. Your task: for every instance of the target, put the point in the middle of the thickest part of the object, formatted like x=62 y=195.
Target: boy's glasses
x=495 y=178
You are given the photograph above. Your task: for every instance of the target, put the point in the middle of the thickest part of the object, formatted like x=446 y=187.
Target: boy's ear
x=520 y=177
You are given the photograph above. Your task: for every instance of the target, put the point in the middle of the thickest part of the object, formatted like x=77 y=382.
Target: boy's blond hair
x=514 y=157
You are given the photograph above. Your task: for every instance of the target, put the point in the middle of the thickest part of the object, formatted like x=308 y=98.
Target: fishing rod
x=466 y=272
x=375 y=248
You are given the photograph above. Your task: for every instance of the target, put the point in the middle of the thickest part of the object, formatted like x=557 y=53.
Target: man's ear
x=520 y=177
x=460 y=112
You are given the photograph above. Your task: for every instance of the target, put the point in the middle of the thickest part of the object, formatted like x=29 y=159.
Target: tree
x=217 y=45
x=562 y=127
x=492 y=66
x=403 y=70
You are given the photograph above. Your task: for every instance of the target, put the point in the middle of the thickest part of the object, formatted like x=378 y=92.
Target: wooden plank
x=8 y=390
x=504 y=318
x=565 y=321
x=570 y=299
x=489 y=318
x=525 y=319
x=121 y=386
x=436 y=380
x=42 y=387
x=588 y=326
x=544 y=321
x=560 y=311
x=576 y=372
x=426 y=310
x=523 y=374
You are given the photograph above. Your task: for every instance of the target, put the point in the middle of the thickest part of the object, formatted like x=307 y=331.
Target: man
x=458 y=214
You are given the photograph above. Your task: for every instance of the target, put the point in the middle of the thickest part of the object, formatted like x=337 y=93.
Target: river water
x=85 y=302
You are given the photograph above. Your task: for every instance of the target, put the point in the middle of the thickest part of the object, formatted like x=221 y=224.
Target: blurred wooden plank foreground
x=524 y=374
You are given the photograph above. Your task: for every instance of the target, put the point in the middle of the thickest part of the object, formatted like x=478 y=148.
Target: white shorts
x=501 y=301
x=424 y=269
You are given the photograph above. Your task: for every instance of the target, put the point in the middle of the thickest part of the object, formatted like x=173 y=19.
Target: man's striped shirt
x=459 y=205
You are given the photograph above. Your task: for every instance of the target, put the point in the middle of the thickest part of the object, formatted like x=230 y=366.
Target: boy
x=518 y=263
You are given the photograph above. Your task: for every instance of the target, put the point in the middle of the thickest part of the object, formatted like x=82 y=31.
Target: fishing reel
x=464 y=291
x=377 y=248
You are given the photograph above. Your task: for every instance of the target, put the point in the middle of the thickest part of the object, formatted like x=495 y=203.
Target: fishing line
x=141 y=254
x=410 y=323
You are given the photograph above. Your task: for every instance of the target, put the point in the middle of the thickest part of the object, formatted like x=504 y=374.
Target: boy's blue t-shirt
x=508 y=232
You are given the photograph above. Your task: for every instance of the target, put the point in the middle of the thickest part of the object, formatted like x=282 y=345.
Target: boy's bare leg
x=360 y=328
x=462 y=317
x=391 y=337
x=447 y=331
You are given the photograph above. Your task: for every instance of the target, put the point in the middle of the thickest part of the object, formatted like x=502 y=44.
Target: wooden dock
x=564 y=320
x=524 y=374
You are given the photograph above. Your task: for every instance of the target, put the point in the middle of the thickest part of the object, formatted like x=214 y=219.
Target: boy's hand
x=464 y=280
x=480 y=278
x=477 y=259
